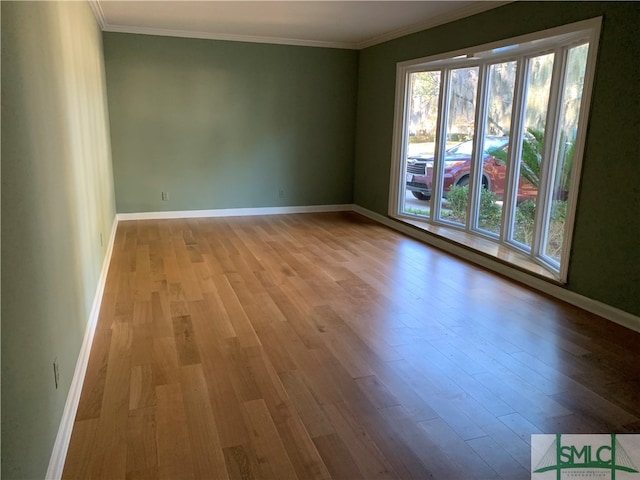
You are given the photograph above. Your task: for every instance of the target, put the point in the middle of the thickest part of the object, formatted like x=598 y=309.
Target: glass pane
x=571 y=100
x=422 y=121
x=459 y=142
x=536 y=103
x=502 y=78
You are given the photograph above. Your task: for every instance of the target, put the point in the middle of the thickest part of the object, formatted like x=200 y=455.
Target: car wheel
x=464 y=181
x=421 y=196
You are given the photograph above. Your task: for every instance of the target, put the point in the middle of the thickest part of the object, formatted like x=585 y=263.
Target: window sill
x=485 y=247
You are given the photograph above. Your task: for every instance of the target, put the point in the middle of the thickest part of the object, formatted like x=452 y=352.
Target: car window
x=462 y=149
x=491 y=143
x=465 y=148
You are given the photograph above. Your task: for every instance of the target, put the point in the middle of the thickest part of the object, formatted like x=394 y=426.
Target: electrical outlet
x=101 y=241
x=165 y=196
x=281 y=193
x=56 y=372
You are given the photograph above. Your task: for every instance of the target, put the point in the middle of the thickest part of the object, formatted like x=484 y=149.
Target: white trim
x=527 y=43
x=399 y=141
x=473 y=9
x=61 y=445
x=596 y=307
x=165 y=32
x=580 y=143
x=233 y=212
x=96 y=8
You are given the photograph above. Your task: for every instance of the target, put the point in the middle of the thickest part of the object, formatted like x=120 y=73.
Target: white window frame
x=522 y=49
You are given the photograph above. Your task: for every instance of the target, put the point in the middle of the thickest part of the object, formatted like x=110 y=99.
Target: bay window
x=488 y=142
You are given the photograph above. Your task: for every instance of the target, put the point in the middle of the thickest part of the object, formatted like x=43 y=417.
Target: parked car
x=457 y=167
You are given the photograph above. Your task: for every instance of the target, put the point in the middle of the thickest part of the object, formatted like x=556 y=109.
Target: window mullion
x=543 y=210
x=579 y=142
x=440 y=145
x=477 y=157
x=515 y=143
x=399 y=148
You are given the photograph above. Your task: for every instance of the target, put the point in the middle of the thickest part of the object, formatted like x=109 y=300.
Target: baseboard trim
x=596 y=307
x=233 y=212
x=61 y=445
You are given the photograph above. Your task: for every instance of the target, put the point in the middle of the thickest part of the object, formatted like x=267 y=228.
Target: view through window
x=489 y=141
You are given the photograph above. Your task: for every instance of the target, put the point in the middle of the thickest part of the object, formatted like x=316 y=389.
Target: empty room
x=300 y=240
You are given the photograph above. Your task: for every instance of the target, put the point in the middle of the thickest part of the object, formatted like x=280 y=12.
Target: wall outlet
x=56 y=372
x=281 y=193
x=101 y=241
x=165 y=196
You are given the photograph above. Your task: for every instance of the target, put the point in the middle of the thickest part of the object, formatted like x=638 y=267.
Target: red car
x=457 y=167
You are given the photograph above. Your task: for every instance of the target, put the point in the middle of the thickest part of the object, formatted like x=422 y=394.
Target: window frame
x=522 y=49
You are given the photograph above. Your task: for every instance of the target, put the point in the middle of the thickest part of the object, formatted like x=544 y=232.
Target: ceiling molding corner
x=96 y=8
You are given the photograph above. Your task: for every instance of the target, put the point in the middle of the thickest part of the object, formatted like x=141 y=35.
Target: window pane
x=536 y=103
x=571 y=100
x=502 y=79
x=422 y=122
x=459 y=140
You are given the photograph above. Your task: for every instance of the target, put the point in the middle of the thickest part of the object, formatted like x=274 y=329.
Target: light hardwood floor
x=326 y=346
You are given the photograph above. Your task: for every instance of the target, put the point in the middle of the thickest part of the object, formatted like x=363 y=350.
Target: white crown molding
x=473 y=9
x=225 y=36
x=63 y=438
x=596 y=307
x=233 y=212
x=96 y=8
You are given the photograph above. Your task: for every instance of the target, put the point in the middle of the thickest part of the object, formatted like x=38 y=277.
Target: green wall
x=228 y=124
x=605 y=258
x=57 y=198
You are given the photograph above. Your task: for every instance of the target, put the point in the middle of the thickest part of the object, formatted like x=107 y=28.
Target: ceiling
x=337 y=24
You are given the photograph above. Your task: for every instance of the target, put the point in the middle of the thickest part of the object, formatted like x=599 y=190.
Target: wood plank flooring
x=321 y=346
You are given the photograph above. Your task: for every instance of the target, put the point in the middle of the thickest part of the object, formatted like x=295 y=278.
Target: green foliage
x=531 y=155
x=458 y=199
x=417 y=211
x=555 y=236
x=532 y=160
x=563 y=181
x=490 y=212
x=422 y=138
x=459 y=137
x=525 y=218
x=559 y=210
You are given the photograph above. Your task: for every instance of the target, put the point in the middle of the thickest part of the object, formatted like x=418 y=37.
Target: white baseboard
x=61 y=445
x=596 y=307
x=233 y=212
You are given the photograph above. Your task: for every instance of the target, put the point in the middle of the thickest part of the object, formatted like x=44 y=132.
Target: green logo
x=587 y=456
